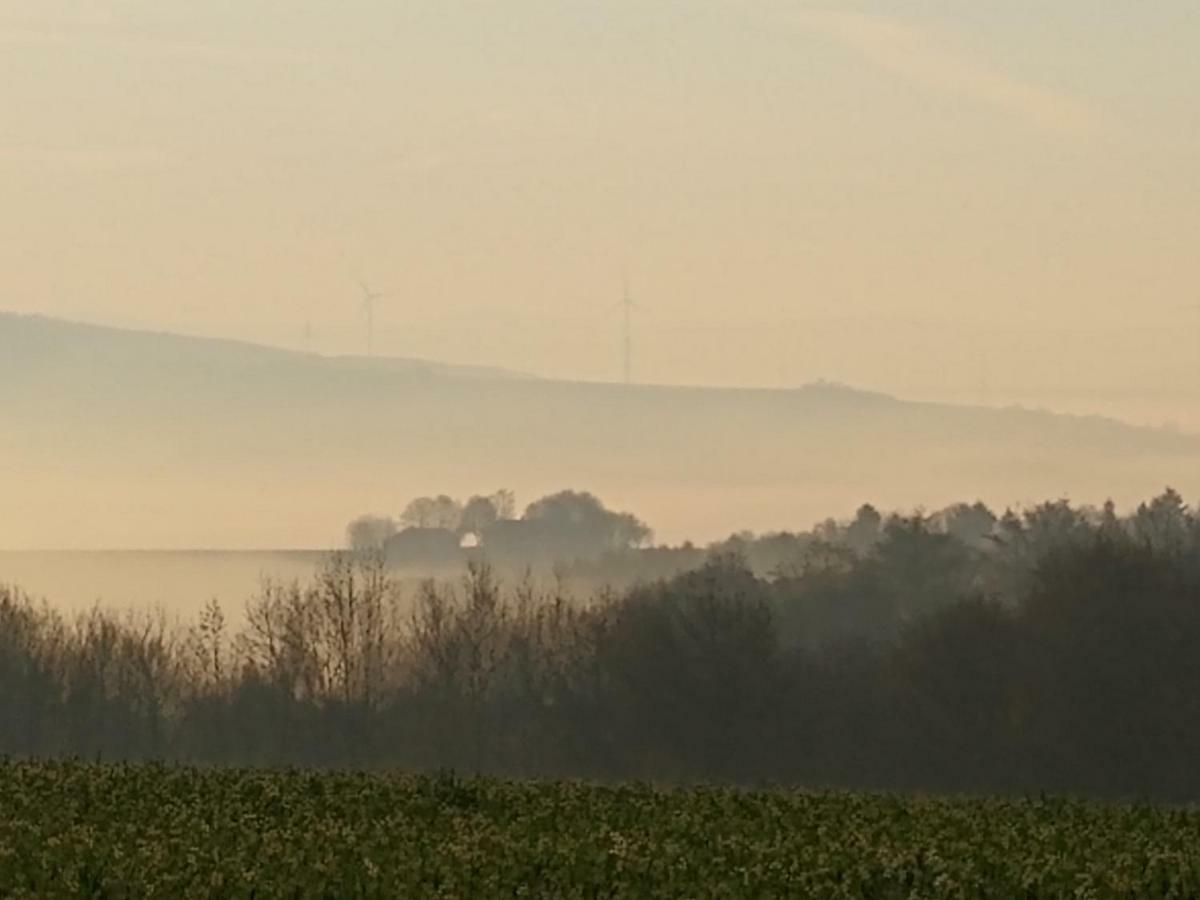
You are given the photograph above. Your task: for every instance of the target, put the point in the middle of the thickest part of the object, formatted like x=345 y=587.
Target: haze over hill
x=126 y=439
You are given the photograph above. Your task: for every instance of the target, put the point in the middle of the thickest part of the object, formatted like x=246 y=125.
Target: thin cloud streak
x=146 y=45
x=930 y=58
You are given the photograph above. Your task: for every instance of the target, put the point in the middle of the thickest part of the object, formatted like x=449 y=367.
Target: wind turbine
x=369 y=297
x=628 y=306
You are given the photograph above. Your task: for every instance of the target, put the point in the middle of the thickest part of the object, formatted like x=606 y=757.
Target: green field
x=72 y=830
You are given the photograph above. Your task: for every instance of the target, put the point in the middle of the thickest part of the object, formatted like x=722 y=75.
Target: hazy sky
x=925 y=195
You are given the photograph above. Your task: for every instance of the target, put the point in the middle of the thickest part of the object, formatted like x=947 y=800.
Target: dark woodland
x=1049 y=650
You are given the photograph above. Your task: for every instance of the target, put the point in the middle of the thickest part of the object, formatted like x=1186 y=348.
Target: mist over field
x=133 y=440
x=728 y=268
x=692 y=393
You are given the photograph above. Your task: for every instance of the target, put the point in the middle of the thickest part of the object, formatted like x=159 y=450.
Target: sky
x=989 y=201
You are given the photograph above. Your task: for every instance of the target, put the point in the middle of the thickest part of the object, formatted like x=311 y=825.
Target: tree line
x=1054 y=649
x=441 y=531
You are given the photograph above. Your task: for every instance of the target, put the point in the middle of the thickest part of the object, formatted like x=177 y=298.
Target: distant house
x=426 y=547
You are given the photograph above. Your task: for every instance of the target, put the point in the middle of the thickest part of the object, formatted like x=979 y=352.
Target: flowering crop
x=75 y=830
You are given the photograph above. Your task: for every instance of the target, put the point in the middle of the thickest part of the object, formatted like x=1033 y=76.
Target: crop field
x=75 y=830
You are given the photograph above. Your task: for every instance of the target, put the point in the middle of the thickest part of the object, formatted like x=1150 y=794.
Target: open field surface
x=73 y=830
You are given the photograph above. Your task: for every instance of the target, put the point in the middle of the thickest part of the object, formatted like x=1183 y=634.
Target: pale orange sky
x=929 y=198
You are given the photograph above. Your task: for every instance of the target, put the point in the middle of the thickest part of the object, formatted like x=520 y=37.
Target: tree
x=207 y=641
x=433 y=512
x=367 y=533
x=973 y=524
x=690 y=665
x=917 y=570
x=864 y=531
x=478 y=515
x=328 y=642
x=352 y=597
x=1111 y=666
x=579 y=521
x=1164 y=523
x=505 y=503
x=953 y=676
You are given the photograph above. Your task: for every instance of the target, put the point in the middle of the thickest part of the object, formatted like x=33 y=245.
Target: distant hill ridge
x=25 y=337
x=41 y=343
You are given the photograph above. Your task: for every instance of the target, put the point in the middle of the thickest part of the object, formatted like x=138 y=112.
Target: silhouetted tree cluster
x=1055 y=649
x=439 y=532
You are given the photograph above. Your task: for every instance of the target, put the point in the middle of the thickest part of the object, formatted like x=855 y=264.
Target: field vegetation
x=74 y=830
